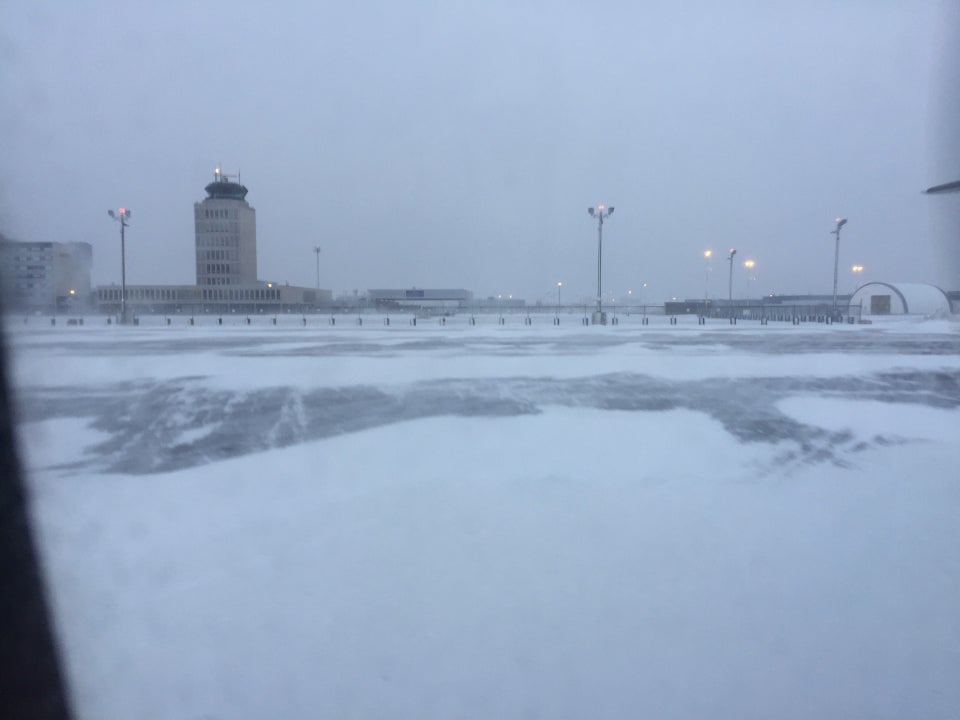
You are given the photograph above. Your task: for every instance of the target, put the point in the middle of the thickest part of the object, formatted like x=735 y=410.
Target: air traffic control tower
x=226 y=234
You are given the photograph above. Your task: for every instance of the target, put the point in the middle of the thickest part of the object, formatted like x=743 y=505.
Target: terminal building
x=225 y=230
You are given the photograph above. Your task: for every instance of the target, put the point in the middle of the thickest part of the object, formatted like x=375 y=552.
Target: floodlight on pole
x=733 y=252
x=836 y=260
x=600 y=212
x=559 y=285
x=316 y=249
x=122 y=216
x=707 y=254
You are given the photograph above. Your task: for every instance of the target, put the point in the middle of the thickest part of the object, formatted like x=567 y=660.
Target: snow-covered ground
x=499 y=521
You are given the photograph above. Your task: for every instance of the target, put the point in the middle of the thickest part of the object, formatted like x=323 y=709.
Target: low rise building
x=248 y=299
x=420 y=299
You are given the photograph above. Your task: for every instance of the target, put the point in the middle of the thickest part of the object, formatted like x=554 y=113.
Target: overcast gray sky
x=459 y=144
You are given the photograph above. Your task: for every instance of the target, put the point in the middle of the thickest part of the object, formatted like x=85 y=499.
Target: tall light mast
x=600 y=212
x=122 y=216
x=836 y=260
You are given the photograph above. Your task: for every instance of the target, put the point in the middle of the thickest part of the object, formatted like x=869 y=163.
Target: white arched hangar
x=880 y=298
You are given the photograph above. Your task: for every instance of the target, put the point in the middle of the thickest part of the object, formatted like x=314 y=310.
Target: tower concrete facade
x=226 y=235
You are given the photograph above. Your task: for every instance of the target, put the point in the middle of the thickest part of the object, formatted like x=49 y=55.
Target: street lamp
x=707 y=254
x=836 y=260
x=730 y=286
x=559 y=285
x=600 y=212
x=122 y=216
x=316 y=250
x=749 y=265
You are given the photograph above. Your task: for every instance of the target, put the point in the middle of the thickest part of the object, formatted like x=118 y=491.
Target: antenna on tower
x=221 y=176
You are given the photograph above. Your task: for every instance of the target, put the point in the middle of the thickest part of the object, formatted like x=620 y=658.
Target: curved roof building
x=880 y=298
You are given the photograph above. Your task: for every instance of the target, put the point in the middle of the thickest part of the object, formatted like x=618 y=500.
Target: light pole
x=122 y=216
x=707 y=254
x=316 y=250
x=600 y=212
x=733 y=252
x=559 y=285
x=749 y=265
x=836 y=260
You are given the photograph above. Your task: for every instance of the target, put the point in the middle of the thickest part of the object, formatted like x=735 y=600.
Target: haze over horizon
x=460 y=145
